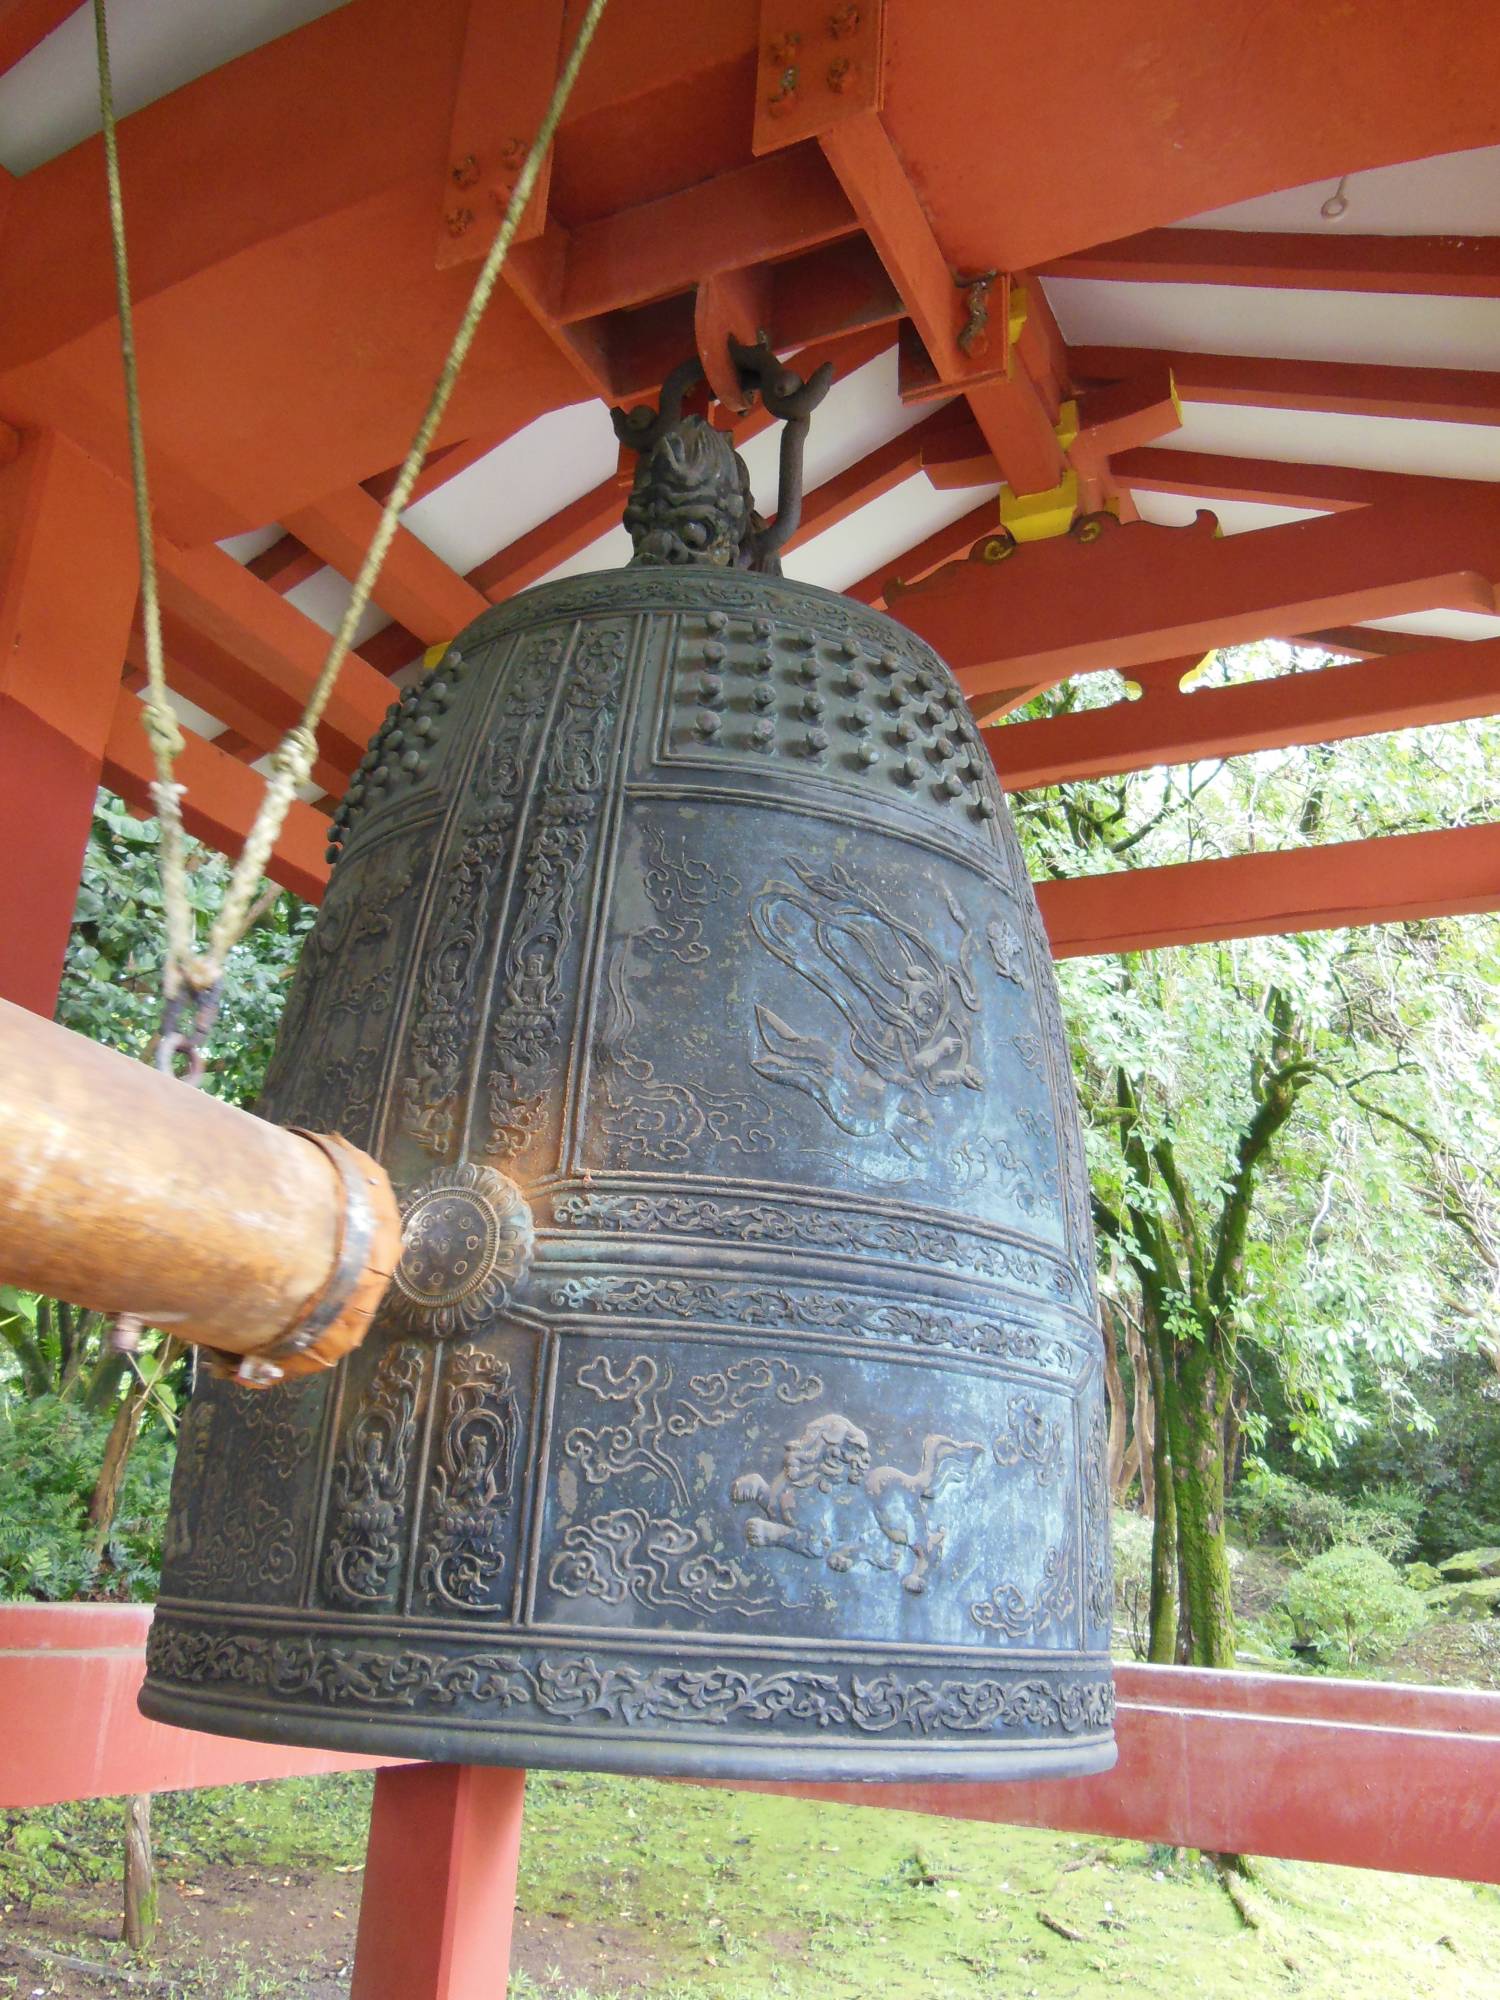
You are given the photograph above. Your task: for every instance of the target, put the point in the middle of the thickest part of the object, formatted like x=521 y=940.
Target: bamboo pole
x=126 y=1191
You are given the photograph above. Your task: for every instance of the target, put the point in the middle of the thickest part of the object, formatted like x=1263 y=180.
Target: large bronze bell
x=738 y=1405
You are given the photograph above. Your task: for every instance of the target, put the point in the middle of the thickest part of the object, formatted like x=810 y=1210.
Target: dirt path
x=238 y=1935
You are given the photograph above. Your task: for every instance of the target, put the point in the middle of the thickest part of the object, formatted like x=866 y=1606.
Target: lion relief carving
x=829 y=1503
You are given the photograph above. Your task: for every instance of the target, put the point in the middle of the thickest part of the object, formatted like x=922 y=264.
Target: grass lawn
x=667 y=1892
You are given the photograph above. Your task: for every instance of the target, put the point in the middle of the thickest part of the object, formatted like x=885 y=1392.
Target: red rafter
x=1400 y=878
x=1270 y=482
x=1445 y=683
x=1436 y=266
x=1341 y=388
x=1138 y=594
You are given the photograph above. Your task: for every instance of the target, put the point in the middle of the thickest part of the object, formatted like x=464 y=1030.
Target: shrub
x=1370 y=1526
x=1352 y=1597
x=1274 y=1507
x=50 y=1453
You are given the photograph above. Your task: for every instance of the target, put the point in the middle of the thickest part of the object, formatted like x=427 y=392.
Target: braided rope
x=158 y=715
x=293 y=759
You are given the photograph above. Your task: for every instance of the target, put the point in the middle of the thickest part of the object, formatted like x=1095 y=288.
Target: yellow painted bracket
x=1035 y=517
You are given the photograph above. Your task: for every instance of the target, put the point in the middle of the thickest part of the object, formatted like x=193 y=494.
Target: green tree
x=1288 y=1137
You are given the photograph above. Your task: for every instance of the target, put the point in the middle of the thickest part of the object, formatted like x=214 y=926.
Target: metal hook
x=786 y=395
x=640 y=428
x=1336 y=203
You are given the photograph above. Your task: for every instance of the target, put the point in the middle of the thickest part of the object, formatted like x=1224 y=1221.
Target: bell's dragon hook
x=785 y=394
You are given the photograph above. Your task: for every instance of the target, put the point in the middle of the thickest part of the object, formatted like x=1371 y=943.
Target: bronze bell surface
x=738 y=1407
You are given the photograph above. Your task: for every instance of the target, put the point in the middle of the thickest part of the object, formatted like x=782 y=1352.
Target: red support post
x=62 y=646
x=440 y=1884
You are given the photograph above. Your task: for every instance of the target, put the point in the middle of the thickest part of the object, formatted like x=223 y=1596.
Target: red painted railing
x=1358 y=1772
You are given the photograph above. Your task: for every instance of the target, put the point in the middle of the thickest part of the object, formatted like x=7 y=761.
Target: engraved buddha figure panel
x=500 y=965
x=329 y=1070
x=426 y=1482
x=853 y=1010
x=785 y=1490
x=243 y=1488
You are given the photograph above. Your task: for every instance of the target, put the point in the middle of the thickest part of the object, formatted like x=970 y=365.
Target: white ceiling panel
x=324 y=596
x=254 y=542
x=1441 y=624
x=861 y=411
x=880 y=533
x=1294 y=325
x=50 y=99
x=1235 y=517
x=1453 y=194
x=518 y=485
x=1311 y=437
x=611 y=551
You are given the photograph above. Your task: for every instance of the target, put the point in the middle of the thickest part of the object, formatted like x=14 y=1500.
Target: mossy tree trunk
x=1188 y=1258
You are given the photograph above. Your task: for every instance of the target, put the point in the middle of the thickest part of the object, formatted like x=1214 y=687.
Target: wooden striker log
x=124 y=1190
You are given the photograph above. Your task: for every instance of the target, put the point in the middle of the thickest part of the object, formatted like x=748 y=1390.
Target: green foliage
x=111 y=986
x=1275 y=1507
x=1290 y=1139
x=1436 y=1440
x=1353 y=1598
x=49 y=1460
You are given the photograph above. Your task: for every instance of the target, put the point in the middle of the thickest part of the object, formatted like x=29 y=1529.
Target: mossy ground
x=667 y=1892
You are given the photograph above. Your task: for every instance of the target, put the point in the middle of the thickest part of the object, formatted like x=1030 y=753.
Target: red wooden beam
x=1270 y=482
x=439 y=1894
x=415 y=586
x=60 y=647
x=1349 y=1772
x=24 y=23
x=1401 y=878
x=1443 y=684
x=1435 y=266
x=74 y=1670
x=1006 y=407
x=219 y=805
x=1341 y=388
x=274 y=652
x=1362 y=642
x=753 y=215
x=285 y=564
x=505 y=78
x=1111 y=420
x=1139 y=593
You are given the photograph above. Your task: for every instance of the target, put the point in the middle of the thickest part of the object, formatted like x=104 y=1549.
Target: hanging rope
x=292 y=761
x=157 y=713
